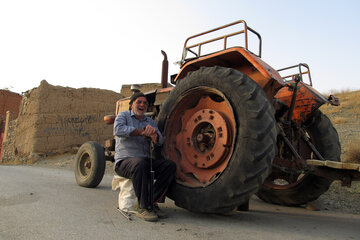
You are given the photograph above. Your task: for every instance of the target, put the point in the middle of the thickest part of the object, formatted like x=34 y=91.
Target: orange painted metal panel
x=242 y=60
x=307 y=100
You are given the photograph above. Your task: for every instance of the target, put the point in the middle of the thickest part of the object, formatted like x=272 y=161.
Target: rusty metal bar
x=300 y=73
x=224 y=37
x=311 y=146
x=294 y=75
x=345 y=176
x=259 y=37
x=213 y=30
x=291 y=147
x=293 y=100
x=308 y=71
x=215 y=39
x=246 y=36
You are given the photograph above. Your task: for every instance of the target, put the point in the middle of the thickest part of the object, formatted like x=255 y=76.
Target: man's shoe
x=146 y=215
x=160 y=213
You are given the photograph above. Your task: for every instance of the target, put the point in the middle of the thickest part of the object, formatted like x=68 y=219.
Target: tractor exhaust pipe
x=164 y=71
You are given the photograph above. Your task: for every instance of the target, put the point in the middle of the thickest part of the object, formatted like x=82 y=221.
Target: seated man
x=134 y=131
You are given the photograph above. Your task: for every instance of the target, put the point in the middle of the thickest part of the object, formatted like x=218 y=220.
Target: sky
x=107 y=43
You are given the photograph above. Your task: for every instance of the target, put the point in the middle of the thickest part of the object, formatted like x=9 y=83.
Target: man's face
x=139 y=106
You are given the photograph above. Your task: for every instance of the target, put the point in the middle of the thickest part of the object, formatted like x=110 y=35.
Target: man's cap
x=135 y=96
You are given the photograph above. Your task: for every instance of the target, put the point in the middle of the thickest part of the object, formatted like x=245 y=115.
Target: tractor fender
x=307 y=100
x=242 y=60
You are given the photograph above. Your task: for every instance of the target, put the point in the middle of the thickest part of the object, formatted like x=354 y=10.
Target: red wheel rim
x=200 y=135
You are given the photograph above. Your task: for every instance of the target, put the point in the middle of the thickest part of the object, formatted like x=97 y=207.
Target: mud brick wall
x=9 y=101
x=8 y=148
x=53 y=119
x=146 y=87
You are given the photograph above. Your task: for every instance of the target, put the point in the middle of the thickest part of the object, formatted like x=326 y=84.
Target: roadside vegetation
x=346 y=120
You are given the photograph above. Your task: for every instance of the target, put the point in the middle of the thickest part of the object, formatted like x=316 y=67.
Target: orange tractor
x=235 y=127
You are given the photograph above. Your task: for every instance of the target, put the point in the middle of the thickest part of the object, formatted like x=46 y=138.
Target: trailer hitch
x=334 y=100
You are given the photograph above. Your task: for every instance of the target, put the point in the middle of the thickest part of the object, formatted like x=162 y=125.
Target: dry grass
x=346 y=120
x=349 y=103
x=349 y=109
x=339 y=120
x=353 y=152
x=338 y=92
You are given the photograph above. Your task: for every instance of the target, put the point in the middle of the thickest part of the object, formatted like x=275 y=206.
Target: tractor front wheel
x=90 y=164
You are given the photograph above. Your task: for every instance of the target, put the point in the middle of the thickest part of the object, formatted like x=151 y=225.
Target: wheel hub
x=201 y=137
x=205 y=135
x=85 y=165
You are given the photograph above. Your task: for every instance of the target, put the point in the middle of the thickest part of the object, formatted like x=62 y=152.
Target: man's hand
x=154 y=137
x=150 y=132
x=137 y=132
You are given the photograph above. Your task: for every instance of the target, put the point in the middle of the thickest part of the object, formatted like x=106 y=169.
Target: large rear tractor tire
x=220 y=131
x=289 y=189
x=90 y=165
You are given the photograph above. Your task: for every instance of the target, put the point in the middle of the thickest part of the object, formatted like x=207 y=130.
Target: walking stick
x=152 y=174
x=125 y=214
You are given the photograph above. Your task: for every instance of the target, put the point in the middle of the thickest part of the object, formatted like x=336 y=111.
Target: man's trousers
x=138 y=170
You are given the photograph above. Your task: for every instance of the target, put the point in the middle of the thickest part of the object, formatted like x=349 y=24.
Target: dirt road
x=46 y=203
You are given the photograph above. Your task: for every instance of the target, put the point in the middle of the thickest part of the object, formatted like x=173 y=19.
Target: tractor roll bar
x=224 y=37
x=300 y=73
